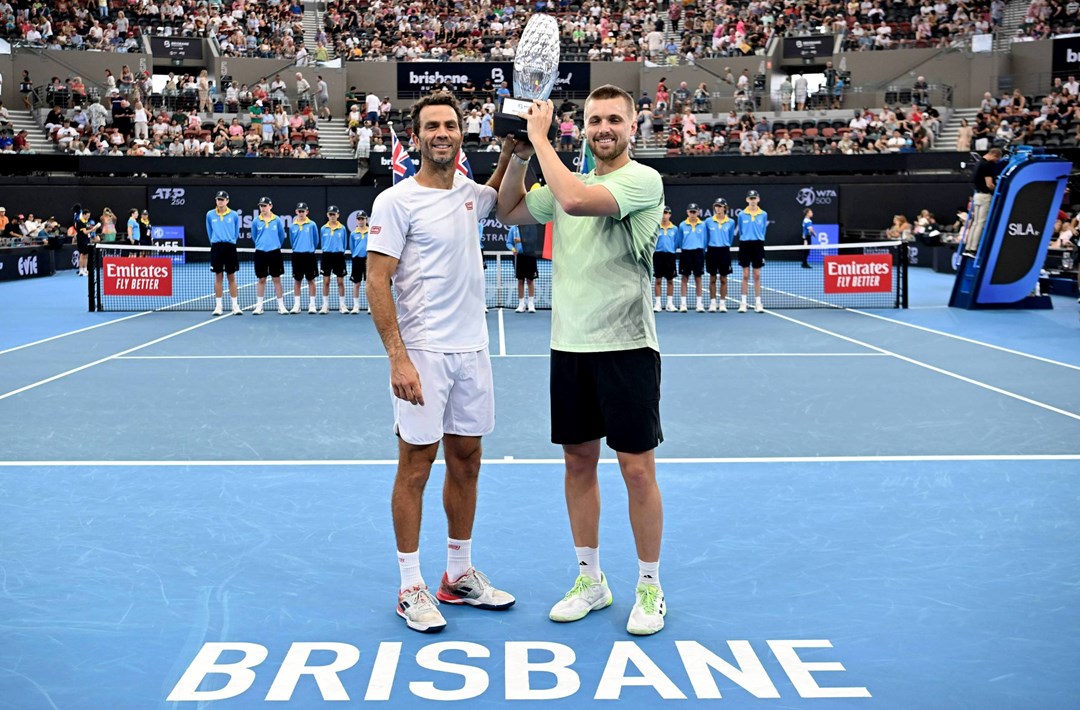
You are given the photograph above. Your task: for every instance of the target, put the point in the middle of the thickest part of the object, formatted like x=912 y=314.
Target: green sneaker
x=647 y=616
x=586 y=595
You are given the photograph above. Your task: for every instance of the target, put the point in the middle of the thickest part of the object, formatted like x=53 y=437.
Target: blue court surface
x=863 y=509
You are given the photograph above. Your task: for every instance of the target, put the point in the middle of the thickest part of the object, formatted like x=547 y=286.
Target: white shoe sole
x=601 y=603
x=422 y=629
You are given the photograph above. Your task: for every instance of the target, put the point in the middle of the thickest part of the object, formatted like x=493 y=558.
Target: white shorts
x=459 y=398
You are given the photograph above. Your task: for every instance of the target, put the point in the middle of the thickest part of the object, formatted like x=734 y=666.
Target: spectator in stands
x=900 y=228
x=303 y=90
x=20 y=143
x=322 y=98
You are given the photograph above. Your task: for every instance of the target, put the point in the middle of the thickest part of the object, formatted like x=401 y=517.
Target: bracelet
x=519 y=159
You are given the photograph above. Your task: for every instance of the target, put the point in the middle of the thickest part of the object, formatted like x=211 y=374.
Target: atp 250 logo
x=173 y=195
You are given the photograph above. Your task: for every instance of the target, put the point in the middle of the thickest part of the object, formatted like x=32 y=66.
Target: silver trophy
x=536 y=67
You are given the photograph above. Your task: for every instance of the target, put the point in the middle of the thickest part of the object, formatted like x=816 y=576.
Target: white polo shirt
x=440 y=275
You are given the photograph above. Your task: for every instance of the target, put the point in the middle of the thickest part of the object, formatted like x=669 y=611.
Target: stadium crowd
x=1046 y=18
x=242 y=28
x=635 y=31
x=595 y=30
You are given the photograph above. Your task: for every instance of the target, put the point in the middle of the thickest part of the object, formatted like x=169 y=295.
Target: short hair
x=996 y=152
x=437 y=98
x=806 y=211
x=610 y=91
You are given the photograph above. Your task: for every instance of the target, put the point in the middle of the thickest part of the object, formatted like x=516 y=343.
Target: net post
x=498 y=280
x=91 y=279
x=902 y=297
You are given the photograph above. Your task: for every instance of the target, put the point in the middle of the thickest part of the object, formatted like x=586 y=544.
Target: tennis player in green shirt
x=605 y=359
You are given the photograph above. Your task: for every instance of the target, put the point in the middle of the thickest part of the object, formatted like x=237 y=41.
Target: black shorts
x=359 y=269
x=333 y=262
x=304 y=266
x=525 y=266
x=718 y=261
x=692 y=261
x=752 y=253
x=82 y=245
x=614 y=394
x=223 y=258
x=269 y=263
x=663 y=265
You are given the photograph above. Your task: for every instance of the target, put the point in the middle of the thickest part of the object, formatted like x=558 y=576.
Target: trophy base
x=507 y=123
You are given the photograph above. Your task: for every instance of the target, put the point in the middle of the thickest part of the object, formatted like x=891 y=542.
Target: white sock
x=699 y=301
x=409 y=566
x=656 y=302
x=743 y=301
x=757 y=301
x=521 y=303
x=217 y=303
x=649 y=572
x=458 y=558
x=671 y=300
x=259 y=302
x=589 y=561
x=532 y=301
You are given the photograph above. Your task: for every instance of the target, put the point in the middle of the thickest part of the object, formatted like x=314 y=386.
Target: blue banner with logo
x=825 y=234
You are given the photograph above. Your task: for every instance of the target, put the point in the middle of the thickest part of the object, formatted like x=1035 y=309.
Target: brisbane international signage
x=422 y=77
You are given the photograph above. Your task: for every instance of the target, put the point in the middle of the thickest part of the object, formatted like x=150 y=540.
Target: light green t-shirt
x=602 y=266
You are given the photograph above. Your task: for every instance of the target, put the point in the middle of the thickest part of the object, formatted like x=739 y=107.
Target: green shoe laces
x=647 y=595
x=581 y=586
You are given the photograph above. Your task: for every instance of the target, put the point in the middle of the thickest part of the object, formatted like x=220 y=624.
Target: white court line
x=920 y=363
x=502 y=335
x=72 y=371
x=967 y=340
x=510 y=461
x=535 y=356
x=72 y=332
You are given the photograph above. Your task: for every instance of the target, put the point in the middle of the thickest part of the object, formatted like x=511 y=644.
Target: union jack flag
x=462 y=165
x=400 y=162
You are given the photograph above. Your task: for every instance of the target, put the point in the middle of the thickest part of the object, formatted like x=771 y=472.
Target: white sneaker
x=520 y=308
x=295 y=307
x=700 y=307
x=311 y=309
x=742 y=308
x=670 y=307
x=722 y=307
x=586 y=595
x=758 y=308
x=236 y=309
x=712 y=306
x=343 y=309
x=258 y=311
x=281 y=309
x=656 y=308
x=682 y=308
x=420 y=610
x=531 y=308
x=217 y=311
x=355 y=309
x=325 y=309
x=647 y=616
x=475 y=589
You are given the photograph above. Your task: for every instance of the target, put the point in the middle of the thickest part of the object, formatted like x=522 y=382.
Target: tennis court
x=864 y=508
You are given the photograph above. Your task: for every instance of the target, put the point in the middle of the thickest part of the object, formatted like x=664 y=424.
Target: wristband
x=519 y=159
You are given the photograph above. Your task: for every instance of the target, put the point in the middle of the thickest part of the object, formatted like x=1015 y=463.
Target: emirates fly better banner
x=859 y=273
x=151 y=276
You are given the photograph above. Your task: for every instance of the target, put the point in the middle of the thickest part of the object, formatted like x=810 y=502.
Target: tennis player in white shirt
x=423 y=239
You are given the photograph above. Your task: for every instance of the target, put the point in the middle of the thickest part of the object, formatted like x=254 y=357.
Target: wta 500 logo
x=809 y=196
x=172 y=195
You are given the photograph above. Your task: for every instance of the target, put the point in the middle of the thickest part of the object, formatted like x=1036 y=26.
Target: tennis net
x=161 y=278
